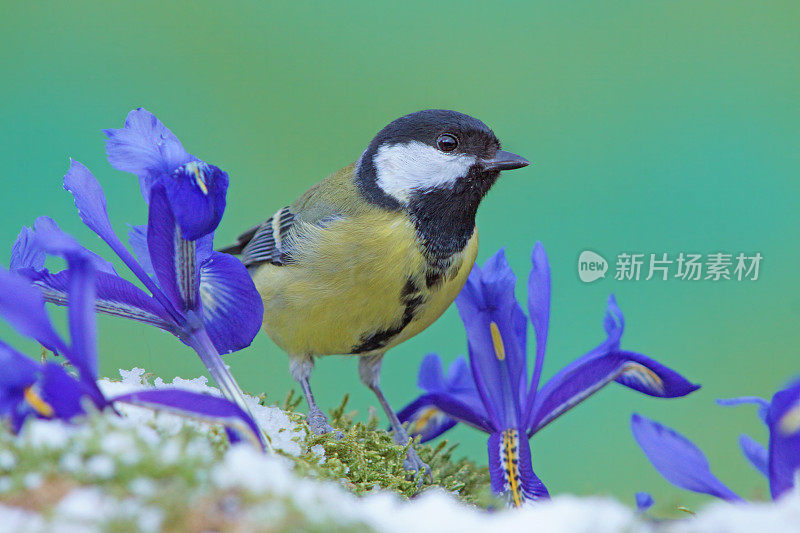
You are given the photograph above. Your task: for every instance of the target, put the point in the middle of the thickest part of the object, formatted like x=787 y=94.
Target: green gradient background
x=652 y=127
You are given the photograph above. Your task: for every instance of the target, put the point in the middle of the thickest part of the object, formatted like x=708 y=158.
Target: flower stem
x=201 y=343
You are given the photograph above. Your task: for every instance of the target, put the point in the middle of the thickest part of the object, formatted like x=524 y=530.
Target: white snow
x=243 y=470
x=284 y=433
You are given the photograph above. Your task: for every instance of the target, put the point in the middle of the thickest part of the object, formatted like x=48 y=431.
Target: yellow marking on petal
x=644 y=375
x=424 y=419
x=39 y=405
x=199 y=177
x=790 y=422
x=497 y=341
x=511 y=465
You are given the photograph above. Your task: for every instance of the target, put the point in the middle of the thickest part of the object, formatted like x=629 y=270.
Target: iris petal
x=452 y=407
x=82 y=320
x=755 y=453
x=784 y=447
x=145 y=147
x=22 y=306
x=539 y=311
x=18 y=370
x=50 y=239
x=425 y=419
x=137 y=238
x=201 y=406
x=232 y=308
x=173 y=258
x=763 y=405
x=511 y=469
x=196 y=192
x=25 y=253
x=644 y=501
x=91 y=203
x=678 y=459
x=493 y=318
x=115 y=296
x=431 y=376
x=62 y=392
x=588 y=374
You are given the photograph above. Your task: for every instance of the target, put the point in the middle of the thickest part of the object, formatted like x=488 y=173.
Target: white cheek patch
x=404 y=168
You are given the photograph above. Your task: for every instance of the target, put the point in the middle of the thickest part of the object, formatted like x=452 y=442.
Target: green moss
x=366 y=457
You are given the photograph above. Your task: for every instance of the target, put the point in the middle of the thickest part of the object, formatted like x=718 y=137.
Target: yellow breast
x=358 y=285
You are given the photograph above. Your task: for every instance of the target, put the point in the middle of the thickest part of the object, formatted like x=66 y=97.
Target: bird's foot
x=318 y=423
x=413 y=463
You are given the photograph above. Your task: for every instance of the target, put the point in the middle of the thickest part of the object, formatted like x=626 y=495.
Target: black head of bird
x=437 y=165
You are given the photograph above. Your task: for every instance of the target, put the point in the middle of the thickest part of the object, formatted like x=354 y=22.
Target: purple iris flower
x=644 y=501
x=205 y=298
x=492 y=392
x=46 y=390
x=684 y=465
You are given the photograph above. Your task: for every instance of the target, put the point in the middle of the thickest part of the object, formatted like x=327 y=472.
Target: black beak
x=503 y=160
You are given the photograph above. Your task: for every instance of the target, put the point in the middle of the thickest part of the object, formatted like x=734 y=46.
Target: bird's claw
x=318 y=424
x=413 y=463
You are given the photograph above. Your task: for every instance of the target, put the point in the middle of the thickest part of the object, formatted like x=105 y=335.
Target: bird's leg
x=369 y=370
x=300 y=368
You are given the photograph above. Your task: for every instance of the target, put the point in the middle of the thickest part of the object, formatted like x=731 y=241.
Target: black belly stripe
x=412 y=299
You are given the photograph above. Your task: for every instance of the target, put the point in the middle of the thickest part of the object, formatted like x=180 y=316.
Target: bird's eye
x=447 y=142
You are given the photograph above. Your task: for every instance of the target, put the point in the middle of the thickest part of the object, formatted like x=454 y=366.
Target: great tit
x=375 y=253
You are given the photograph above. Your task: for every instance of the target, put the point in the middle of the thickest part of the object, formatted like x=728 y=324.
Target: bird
x=376 y=252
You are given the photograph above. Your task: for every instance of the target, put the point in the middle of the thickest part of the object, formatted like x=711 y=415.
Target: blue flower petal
x=452 y=407
x=25 y=253
x=460 y=380
x=115 y=296
x=49 y=239
x=63 y=392
x=511 y=470
x=678 y=459
x=539 y=311
x=431 y=376
x=22 y=306
x=195 y=405
x=174 y=258
x=590 y=373
x=19 y=370
x=493 y=320
x=137 y=238
x=81 y=292
x=91 y=204
x=145 y=147
x=197 y=192
x=82 y=320
x=784 y=440
x=763 y=405
x=644 y=501
x=425 y=419
x=755 y=453
x=232 y=308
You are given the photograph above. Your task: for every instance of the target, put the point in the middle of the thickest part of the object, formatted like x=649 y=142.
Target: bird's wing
x=272 y=240
x=266 y=245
